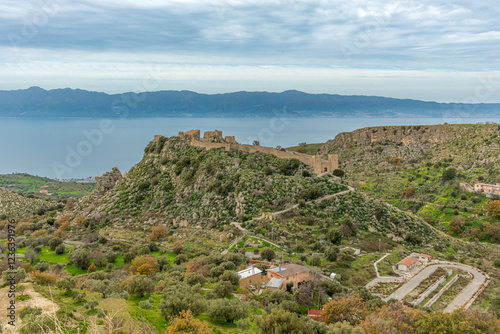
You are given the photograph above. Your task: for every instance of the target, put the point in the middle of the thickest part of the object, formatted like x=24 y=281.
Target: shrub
x=267 y=254
x=92 y=268
x=54 y=242
x=449 y=174
x=44 y=278
x=145 y=304
x=182 y=258
x=60 y=249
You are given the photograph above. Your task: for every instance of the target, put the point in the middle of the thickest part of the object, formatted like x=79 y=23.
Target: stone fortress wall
x=214 y=139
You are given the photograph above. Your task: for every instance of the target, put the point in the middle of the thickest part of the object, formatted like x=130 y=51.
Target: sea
x=80 y=148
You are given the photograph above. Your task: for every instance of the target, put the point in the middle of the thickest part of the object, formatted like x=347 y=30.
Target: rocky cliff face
x=471 y=144
x=108 y=180
x=399 y=135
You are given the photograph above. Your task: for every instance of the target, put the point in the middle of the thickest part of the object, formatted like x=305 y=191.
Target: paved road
x=375 y=264
x=460 y=300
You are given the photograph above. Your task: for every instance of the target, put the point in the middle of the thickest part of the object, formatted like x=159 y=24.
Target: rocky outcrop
x=399 y=135
x=108 y=180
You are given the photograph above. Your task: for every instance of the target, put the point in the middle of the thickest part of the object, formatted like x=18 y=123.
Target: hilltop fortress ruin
x=214 y=139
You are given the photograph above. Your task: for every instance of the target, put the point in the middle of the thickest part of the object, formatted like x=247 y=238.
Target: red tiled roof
x=424 y=255
x=192 y=131
x=463 y=182
x=408 y=261
x=315 y=314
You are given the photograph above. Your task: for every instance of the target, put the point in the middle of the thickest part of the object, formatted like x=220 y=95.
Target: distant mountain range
x=36 y=102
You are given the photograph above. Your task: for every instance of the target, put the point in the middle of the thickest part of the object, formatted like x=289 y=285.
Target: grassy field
x=311 y=149
x=29 y=184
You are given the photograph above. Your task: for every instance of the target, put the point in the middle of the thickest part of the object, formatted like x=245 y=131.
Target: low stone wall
x=429 y=290
x=443 y=290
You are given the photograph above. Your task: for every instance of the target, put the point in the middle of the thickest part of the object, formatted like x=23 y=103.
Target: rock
x=108 y=180
x=183 y=223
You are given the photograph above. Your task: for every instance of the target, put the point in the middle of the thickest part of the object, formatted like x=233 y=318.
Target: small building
x=407 y=263
x=252 y=277
x=425 y=258
x=288 y=274
x=466 y=187
x=191 y=134
x=315 y=314
x=488 y=189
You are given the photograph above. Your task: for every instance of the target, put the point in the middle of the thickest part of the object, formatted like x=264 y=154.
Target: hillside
x=405 y=166
x=37 y=102
x=13 y=205
x=44 y=187
x=183 y=186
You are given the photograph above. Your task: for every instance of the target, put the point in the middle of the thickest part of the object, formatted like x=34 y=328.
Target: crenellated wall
x=315 y=161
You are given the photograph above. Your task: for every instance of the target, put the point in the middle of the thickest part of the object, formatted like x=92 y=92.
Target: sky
x=445 y=51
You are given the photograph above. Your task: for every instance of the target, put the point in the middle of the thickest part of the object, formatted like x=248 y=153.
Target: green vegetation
x=30 y=185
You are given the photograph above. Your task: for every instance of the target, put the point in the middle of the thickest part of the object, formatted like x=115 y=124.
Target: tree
x=267 y=254
x=199 y=265
x=105 y=287
x=281 y=322
x=278 y=296
x=140 y=286
x=230 y=276
x=91 y=303
x=456 y=225
x=80 y=258
x=158 y=232
x=331 y=253
x=350 y=308
x=316 y=260
x=410 y=191
x=449 y=174
x=227 y=310
x=494 y=208
x=256 y=143
x=338 y=172
x=31 y=255
x=128 y=257
x=19 y=274
x=185 y=323
x=180 y=297
x=144 y=265
x=223 y=289
x=54 y=242
x=67 y=284
x=334 y=235
x=181 y=258
x=194 y=278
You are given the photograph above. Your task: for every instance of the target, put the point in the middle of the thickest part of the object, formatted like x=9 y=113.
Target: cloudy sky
x=422 y=49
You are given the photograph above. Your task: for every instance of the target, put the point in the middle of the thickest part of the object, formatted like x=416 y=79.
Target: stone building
x=488 y=189
x=288 y=273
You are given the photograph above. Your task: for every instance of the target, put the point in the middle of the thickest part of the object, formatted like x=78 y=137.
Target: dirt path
x=36 y=300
